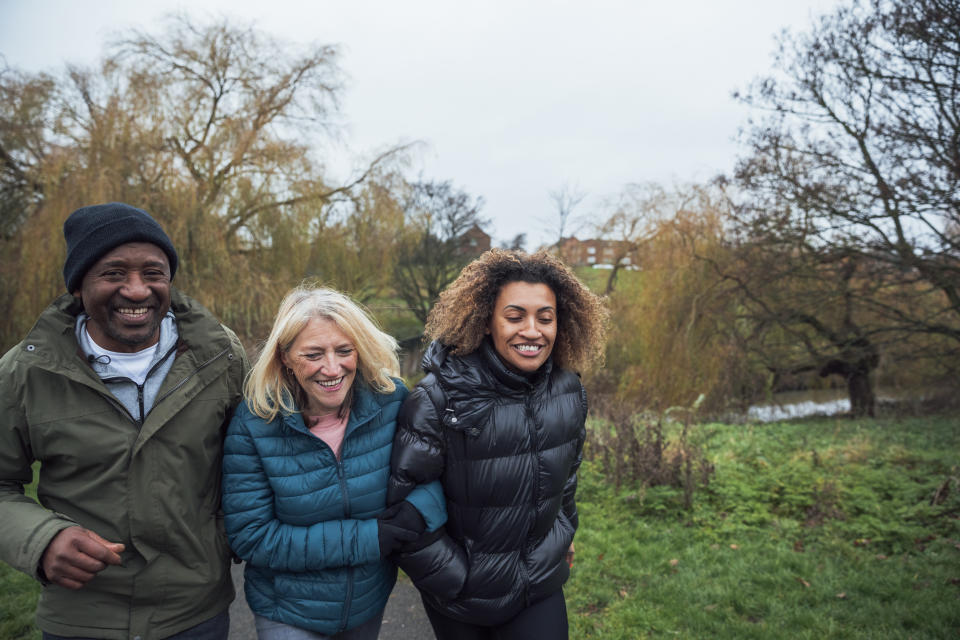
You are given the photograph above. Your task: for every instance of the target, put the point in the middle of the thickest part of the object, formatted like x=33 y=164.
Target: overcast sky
x=511 y=98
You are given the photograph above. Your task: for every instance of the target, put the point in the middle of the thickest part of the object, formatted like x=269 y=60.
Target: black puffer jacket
x=507 y=448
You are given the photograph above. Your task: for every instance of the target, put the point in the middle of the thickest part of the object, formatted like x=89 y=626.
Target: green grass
x=596 y=279
x=18 y=601
x=19 y=594
x=810 y=529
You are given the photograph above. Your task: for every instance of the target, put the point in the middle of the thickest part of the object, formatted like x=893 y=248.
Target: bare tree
x=518 y=243
x=25 y=114
x=430 y=254
x=636 y=215
x=215 y=129
x=800 y=313
x=238 y=109
x=565 y=199
x=859 y=152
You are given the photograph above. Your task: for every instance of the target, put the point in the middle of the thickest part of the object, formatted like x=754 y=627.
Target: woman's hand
x=398 y=524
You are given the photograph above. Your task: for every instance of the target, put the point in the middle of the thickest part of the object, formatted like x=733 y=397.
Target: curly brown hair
x=462 y=313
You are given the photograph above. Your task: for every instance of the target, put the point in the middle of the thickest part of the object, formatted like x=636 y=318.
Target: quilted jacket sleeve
x=259 y=538
x=437 y=564
x=569 y=504
x=418 y=452
x=429 y=501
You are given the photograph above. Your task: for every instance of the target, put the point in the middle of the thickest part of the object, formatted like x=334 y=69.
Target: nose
x=330 y=365
x=530 y=328
x=135 y=287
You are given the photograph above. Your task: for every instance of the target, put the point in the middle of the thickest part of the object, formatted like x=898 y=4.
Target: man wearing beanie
x=122 y=391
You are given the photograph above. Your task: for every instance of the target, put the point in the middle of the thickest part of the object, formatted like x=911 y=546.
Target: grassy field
x=830 y=528
x=18 y=597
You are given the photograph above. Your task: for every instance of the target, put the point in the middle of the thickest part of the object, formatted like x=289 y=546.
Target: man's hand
x=75 y=555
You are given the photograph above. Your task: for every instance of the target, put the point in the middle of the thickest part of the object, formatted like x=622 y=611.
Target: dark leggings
x=544 y=620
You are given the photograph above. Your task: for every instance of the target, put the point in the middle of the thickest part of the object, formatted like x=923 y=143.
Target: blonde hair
x=270 y=389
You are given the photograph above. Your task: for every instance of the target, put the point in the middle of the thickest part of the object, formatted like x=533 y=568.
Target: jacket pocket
x=439 y=569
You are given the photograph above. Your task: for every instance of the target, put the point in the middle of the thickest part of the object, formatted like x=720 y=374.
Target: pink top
x=328 y=428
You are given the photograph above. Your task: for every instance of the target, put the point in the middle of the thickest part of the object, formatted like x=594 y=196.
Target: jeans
x=216 y=628
x=271 y=630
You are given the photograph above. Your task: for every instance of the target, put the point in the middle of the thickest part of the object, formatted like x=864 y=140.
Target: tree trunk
x=862 y=400
x=856 y=369
x=612 y=279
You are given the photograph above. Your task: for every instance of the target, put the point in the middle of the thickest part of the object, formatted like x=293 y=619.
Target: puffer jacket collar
x=364 y=408
x=481 y=372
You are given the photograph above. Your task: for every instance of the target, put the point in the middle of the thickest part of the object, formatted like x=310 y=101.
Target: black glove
x=424 y=541
x=398 y=524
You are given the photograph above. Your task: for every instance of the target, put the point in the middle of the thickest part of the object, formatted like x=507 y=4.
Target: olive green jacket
x=155 y=488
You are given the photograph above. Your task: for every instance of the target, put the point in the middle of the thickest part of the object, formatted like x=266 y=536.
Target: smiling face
x=126 y=294
x=523 y=326
x=324 y=362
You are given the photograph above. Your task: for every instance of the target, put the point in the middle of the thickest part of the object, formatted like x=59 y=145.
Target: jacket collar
x=481 y=370
x=507 y=376
x=365 y=407
x=52 y=341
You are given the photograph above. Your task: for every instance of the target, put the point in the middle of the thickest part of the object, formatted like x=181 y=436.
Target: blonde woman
x=306 y=462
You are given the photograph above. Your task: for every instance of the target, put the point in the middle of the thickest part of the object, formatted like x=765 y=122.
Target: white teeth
x=330 y=383
x=133 y=312
x=528 y=347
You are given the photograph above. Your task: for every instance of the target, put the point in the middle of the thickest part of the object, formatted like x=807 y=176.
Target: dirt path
x=403 y=620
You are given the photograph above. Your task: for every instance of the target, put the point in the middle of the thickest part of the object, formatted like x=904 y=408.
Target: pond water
x=799 y=404
x=826 y=402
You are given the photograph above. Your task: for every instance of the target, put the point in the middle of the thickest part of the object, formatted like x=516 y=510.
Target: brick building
x=596 y=251
x=474 y=242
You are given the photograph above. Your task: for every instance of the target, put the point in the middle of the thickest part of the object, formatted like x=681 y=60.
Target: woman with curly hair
x=499 y=419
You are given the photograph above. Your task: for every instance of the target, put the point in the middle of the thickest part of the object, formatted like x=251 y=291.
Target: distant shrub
x=635 y=448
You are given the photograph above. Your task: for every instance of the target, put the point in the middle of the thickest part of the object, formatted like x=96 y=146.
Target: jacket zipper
x=343 y=489
x=347 y=510
x=155 y=403
x=139 y=424
x=348 y=598
x=153 y=369
x=168 y=393
x=535 y=455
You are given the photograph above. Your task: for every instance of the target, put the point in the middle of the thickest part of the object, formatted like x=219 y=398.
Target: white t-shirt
x=132 y=365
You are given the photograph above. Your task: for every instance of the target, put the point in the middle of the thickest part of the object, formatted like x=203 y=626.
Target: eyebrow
x=516 y=306
x=317 y=347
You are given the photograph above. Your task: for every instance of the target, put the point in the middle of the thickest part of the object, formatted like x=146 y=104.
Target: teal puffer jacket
x=305 y=523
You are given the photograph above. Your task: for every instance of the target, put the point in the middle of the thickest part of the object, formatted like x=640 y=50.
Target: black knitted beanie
x=95 y=230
